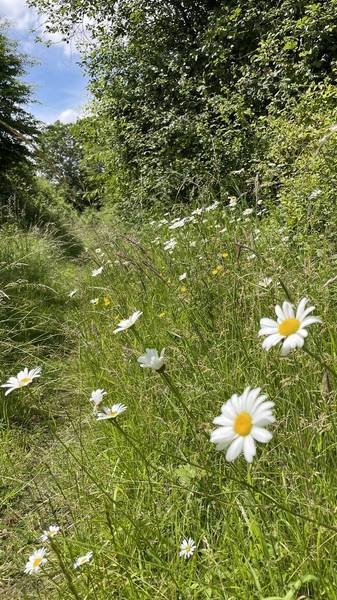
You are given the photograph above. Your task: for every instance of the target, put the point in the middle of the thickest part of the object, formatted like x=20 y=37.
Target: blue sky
x=59 y=85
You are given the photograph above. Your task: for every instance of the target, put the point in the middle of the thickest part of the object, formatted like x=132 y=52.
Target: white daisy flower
x=112 y=412
x=83 y=560
x=94 y=301
x=265 y=282
x=289 y=328
x=152 y=360
x=22 y=379
x=187 y=548
x=97 y=396
x=248 y=211
x=72 y=293
x=182 y=276
x=96 y=272
x=170 y=244
x=36 y=561
x=198 y=211
x=126 y=323
x=242 y=421
x=179 y=223
x=49 y=533
x=212 y=206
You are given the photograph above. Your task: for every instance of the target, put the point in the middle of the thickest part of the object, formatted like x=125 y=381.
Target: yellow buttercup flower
x=224 y=254
x=183 y=289
x=162 y=315
x=217 y=270
x=106 y=301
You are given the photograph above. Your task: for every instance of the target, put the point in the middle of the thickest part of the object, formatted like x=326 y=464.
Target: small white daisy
x=198 y=211
x=182 y=276
x=94 y=301
x=36 y=561
x=96 y=272
x=265 y=282
x=187 y=548
x=177 y=223
x=111 y=413
x=97 y=396
x=290 y=328
x=126 y=323
x=152 y=359
x=49 y=533
x=72 y=293
x=242 y=421
x=170 y=244
x=22 y=379
x=83 y=560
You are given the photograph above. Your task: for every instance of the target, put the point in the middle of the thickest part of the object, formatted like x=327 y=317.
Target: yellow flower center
x=25 y=380
x=113 y=414
x=243 y=423
x=289 y=326
x=36 y=562
x=187 y=548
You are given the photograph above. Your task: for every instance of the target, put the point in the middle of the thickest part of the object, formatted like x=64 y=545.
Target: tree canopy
x=181 y=87
x=17 y=126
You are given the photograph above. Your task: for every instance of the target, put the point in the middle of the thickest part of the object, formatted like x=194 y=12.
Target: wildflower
x=106 y=301
x=97 y=396
x=112 y=412
x=22 y=379
x=179 y=223
x=170 y=244
x=265 y=282
x=152 y=360
x=162 y=315
x=94 y=301
x=289 y=328
x=232 y=202
x=127 y=323
x=242 y=421
x=225 y=255
x=217 y=270
x=212 y=206
x=36 y=561
x=248 y=211
x=72 y=293
x=96 y=272
x=183 y=289
x=49 y=533
x=182 y=276
x=83 y=560
x=187 y=548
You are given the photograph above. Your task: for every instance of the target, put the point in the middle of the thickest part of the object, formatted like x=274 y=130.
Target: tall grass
x=132 y=488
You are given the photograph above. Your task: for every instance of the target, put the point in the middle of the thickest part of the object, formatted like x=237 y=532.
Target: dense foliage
x=17 y=126
x=182 y=88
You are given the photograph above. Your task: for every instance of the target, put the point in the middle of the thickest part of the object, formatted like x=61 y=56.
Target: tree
x=181 y=86
x=17 y=126
x=60 y=159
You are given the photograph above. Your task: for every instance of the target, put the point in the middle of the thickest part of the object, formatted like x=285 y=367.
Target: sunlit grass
x=131 y=489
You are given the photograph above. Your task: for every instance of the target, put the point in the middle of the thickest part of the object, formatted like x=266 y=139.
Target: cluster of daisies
x=244 y=418
x=38 y=558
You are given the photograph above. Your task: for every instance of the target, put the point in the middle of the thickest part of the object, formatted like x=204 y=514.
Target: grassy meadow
x=132 y=488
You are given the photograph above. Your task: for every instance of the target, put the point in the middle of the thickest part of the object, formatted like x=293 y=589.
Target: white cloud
x=68 y=116
x=23 y=18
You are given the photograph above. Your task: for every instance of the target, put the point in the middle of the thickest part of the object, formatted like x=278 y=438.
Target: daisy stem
x=320 y=361
x=176 y=393
x=64 y=570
